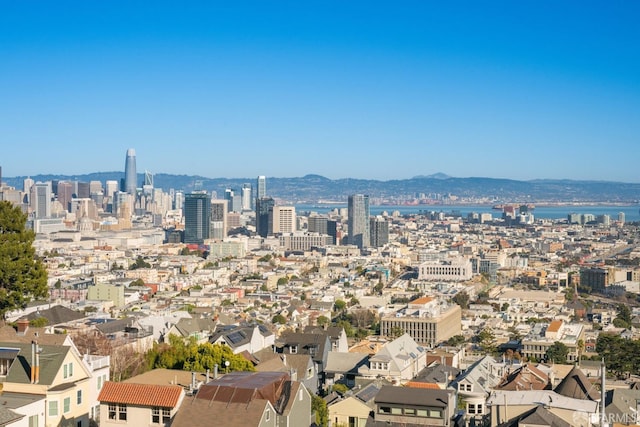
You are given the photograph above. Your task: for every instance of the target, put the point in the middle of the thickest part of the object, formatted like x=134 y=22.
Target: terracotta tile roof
x=418 y=384
x=166 y=396
x=422 y=300
x=554 y=326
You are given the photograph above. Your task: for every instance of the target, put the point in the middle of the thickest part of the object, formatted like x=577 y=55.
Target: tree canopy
x=557 y=353
x=23 y=276
x=190 y=356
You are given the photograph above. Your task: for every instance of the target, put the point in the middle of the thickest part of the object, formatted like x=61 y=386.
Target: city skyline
x=518 y=91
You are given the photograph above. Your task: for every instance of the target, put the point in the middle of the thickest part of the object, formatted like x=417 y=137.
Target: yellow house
x=54 y=371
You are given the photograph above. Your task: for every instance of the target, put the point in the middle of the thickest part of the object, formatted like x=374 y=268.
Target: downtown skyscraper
x=197 y=217
x=358 y=217
x=130 y=174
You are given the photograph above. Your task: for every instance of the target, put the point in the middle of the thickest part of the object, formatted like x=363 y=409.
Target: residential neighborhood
x=429 y=319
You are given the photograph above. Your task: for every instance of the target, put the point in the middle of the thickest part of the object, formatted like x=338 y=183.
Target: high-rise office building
x=197 y=217
x=264 y=209
x=323 y=225
x=65 y=194
x=218 y=219
x=247 y=201
x=379 y=231
x=41 y=200
x=95 y=187
x=283 y=219
x=26 y=187
x=83 y=190
x=358 y=217
x=130 y=174
x=261 y=191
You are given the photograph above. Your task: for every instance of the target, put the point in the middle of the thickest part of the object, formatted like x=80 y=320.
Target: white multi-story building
x=454 y=269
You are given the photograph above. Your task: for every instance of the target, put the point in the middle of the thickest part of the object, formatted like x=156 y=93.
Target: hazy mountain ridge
x=312 y=188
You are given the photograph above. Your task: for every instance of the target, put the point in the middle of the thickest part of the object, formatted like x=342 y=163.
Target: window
x=112 y=411
x=410 y=411
x=65 y=370
x=300 y=395
x=53 y=408
x=384 y=410
x=70 y=369
x=166 y=415
x=396 y=411
x=293 y=349
x=155 y=415
x=66 y=405
x=434 y=413
x=33 y=421
x=422 y=412
x=267 y=415
x=99 y=383
x=122 y=412
x=79 y=397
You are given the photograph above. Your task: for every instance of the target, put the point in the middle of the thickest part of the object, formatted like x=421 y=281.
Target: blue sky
x=377 y=90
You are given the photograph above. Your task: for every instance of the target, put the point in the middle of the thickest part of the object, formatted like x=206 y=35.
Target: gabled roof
x=166 y=396
x=113 y=326
x=538 y=416
x=196 y=412
x=236 y=336
x=343 y=363
x=413 y=396
x=438 y=373
x=526 y=377
x=285 y=362
x=188 y=326
x=399 y=350
x=305 y=342
x=243 y=387
x=577 y=385
x=51 y=359
x=7 y=416
x=56 y=315
x=8 y=333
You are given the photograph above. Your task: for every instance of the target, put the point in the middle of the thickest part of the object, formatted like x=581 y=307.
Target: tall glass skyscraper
x=130 y=176
x=262 y=187
x=264 y=212
x=197 y=217
x=358 y=217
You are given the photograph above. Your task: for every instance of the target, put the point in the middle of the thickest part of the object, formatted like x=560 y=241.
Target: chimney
x=23 y=325
x=35 y=363
x=207 y=377
x=32 y=367
x=215 y=372
x=193 y=381
x=37 y=379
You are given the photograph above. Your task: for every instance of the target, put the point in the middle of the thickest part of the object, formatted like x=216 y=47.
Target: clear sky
x=362 y=89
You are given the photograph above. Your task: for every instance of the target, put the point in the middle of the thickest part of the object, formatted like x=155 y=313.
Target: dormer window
x=293 y=349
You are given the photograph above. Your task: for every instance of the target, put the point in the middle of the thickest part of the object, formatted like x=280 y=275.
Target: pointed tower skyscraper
x=130 y=175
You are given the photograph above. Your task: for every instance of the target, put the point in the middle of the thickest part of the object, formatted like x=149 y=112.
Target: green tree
x=39 y=322
x=279 y=319
x=339 y=305
x=23 y=276
x=462 y=299
x=486 y=340
x=456 y=340
x=140 y=263
x=340 y=388
x=137 y=282
x=624 y=316
x=557 y=353
x=319 y=407
x=322 y=321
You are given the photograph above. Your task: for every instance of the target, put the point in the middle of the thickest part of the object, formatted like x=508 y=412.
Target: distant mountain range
x=315 y=188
